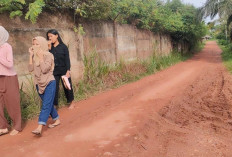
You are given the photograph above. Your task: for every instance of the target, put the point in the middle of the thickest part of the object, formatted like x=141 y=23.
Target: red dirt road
x=183 y=111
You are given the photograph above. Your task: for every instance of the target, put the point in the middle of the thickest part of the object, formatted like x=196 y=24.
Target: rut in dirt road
x=183 y=111
x=198 y=122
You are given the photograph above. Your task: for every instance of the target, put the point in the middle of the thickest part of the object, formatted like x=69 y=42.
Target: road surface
x=182 y=111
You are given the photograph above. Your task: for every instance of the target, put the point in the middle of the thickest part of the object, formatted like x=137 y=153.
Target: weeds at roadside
x=99 y=76
x=226 y=54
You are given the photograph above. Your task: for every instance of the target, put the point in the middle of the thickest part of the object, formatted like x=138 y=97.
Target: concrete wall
x=99 y=37
x=114 y=42
x=111 y=41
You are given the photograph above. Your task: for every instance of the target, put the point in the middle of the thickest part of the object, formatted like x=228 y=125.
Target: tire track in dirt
x=197 y=123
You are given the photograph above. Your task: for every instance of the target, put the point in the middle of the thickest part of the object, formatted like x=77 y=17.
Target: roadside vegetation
x=99 y=76
x=226 y=47
x=169 y=17
x=220 y=33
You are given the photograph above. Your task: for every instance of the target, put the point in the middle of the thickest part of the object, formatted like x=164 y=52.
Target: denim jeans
x=47 y=103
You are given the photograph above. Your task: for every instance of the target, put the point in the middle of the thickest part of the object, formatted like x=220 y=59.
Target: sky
x=199 y=3
x=196 y=3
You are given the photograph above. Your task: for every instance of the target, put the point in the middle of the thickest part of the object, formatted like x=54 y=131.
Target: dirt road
x=183 y=111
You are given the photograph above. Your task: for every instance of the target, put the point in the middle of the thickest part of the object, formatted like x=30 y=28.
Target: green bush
x=223 y=42
x=226 y=54
x=170 y=17
x=29 y=99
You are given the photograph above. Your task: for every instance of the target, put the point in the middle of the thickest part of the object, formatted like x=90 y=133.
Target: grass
x=29 y=98
x=98 y=77
x=226 y=54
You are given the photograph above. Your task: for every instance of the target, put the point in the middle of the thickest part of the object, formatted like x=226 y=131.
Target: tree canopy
x=222 y=8
x=172 y=17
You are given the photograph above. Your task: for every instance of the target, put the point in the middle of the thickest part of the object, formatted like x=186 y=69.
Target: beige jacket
x=43 y=72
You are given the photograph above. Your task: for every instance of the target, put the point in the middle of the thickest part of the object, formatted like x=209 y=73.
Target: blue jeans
x=47 y=103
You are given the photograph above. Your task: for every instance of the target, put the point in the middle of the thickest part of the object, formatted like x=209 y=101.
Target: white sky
x=196 y=3
x=199 y=3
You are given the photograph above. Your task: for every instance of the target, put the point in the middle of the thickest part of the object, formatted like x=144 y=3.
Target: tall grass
x=157 y=63
x=29 y=98
x=98 y=76
x=226 y=54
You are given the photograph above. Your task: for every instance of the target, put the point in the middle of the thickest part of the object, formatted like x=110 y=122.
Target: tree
x=173 y=17
x=221 y=7
x=19 y=7
x=213 y=7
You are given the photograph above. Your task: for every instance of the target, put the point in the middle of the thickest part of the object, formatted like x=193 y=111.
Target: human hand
x=49 y=44
x=68 y=75
x=31 y=52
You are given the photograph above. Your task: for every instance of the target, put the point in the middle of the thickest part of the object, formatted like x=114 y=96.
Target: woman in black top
x=62 y=64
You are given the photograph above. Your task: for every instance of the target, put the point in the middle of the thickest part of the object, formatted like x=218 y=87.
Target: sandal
x=53 y=125
x=37 y=132
x=4 y=132
x=14 y=132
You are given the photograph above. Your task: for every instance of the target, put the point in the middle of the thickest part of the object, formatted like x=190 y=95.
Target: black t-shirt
x=61 y=59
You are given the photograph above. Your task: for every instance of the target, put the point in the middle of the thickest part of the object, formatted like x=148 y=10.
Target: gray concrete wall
x=111 y=41
x=116 y=42
x=99 y=37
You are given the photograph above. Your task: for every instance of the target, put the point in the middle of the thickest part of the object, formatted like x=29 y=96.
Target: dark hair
x=55 y=32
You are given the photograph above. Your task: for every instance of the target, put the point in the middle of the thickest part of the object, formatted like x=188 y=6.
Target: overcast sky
x=198 y=3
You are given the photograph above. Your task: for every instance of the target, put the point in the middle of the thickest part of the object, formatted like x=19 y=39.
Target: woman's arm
x=67 y=61
x=30 y=65
x=8 y=61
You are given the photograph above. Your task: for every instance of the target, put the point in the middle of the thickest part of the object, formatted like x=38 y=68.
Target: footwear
x=53 y=125
x=71 y=106
x=14 y=132
x=37 y=132
x=3 y=131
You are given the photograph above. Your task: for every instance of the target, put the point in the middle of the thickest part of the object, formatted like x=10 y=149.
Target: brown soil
x=183 y=111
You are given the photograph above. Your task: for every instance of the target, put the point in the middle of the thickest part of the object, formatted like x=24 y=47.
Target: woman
x=41 y=63
x=62 y=64
x=9 y=87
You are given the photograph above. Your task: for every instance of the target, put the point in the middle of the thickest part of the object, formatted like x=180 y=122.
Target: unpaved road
x=183 y=111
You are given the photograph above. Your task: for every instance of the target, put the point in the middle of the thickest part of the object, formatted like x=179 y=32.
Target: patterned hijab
x=4 y=35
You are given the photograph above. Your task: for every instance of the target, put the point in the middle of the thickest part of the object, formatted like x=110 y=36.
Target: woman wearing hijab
x=41 y=63
x=9 y=87
x=62 y=65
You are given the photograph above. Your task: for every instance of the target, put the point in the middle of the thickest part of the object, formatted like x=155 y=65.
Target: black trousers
x=68 y=93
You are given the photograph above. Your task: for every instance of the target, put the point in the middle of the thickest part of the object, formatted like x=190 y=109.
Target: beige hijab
x=4 y=35
x=41 y=48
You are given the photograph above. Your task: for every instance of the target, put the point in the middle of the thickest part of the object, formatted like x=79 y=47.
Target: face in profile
x=53 y=38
